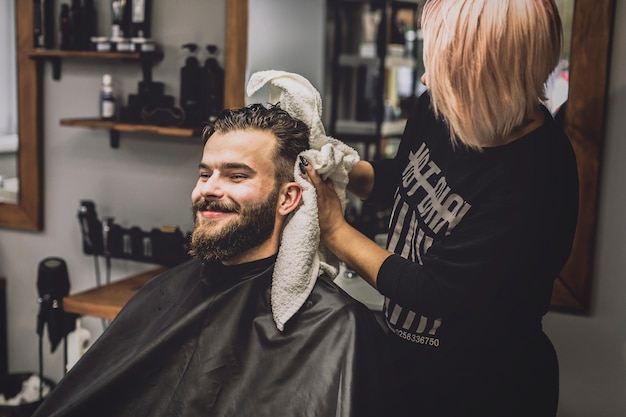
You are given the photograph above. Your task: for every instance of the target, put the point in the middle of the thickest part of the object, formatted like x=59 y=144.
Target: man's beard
x=253 y=226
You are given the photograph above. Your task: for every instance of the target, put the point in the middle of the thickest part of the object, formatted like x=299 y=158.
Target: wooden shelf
x=147 y=59
x=131 y=127
x=116 y=127
x=107 y=301
x=57 y=53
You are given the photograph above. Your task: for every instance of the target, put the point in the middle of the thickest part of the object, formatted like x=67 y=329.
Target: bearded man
x=199 y=339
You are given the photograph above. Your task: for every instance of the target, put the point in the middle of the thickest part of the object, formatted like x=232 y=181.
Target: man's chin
x=214 y=223
x=209 y=228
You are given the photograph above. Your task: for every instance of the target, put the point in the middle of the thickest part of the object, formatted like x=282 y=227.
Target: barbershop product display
x=140 y=18
x=120 y=18
x=108 y=99
x=166 y=245
x=76 y=26
x=43 y=23
x=90 y=228
x=130 y=25
x=151 y=106
x=89 y=26
x=201 y=87
x=78 y=29
x=64 y=27
x=142 y=45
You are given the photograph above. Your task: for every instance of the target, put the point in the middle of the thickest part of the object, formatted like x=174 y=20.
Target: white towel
x=301 y=257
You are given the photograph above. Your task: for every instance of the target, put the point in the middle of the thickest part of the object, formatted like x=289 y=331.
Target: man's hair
x=487 y=62
x=292 y=134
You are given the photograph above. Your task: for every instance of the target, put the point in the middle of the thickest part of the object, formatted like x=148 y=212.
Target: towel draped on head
x=301 y=257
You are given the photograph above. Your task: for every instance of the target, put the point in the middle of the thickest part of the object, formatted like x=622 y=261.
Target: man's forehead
x=254 y=138
x=249 y=147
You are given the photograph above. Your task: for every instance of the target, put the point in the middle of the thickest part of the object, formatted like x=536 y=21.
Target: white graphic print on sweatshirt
x=424 y=207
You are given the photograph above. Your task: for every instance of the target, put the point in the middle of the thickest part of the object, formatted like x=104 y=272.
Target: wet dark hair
x=292 y=134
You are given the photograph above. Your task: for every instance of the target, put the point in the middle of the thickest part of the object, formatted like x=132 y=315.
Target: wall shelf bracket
x=114 y=138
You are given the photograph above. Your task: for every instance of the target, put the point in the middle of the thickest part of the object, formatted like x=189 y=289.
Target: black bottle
x=140 y=18
x=76 y=25
x=191 y=88
x=48 y=23
x=43 y=23
x=212 y=85
x=64 y=27
x=89 y=24
x=37 y=24
x=91 y=228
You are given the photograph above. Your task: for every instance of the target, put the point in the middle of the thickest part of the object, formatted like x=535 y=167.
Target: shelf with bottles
x=375 y=50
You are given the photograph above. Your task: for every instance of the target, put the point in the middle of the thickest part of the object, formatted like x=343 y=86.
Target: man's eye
x=238 y=177
x=204 y=175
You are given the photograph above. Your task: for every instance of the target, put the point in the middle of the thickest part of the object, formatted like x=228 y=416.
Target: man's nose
x=211 y=187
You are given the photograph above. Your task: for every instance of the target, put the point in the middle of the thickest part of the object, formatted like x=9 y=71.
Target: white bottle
x=108 y=99
x=78 y=342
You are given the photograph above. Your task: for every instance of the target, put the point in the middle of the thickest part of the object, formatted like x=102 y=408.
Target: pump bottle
x=191 y=97
x=212 y=85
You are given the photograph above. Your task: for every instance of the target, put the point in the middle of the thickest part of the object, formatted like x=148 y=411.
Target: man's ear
x=289 y=198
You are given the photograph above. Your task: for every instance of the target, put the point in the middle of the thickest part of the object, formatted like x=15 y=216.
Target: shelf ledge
x=353 y=127
x=55 y=56
x=116 y=127
x=391 y=61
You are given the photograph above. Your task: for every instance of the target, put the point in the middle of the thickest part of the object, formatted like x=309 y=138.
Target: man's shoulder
x=174 y=275
x=168 y=285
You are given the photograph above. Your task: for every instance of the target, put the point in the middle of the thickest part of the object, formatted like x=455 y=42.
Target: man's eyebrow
x=230 y=165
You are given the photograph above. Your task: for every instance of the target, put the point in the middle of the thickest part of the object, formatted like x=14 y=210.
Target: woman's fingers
x=310 y=174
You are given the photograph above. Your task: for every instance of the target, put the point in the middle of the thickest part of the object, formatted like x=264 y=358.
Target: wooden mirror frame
x=592 y=30
x=27 y=213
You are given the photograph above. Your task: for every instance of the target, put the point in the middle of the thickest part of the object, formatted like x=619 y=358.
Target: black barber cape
x=199 y=340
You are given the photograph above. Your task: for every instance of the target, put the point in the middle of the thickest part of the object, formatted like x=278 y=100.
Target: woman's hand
x=328 y=204
x=351 y=246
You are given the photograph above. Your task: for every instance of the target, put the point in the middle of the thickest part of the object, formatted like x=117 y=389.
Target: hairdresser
x=484 y=191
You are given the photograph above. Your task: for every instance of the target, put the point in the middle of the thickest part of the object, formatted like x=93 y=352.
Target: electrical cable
x=40 y=366
x=96 y=264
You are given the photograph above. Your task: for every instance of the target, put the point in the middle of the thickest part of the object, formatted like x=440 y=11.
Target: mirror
x=592 y=29
x=26 y=212
x=588 y=26
x=8 y=106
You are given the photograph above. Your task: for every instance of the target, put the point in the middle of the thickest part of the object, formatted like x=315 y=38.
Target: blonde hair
x=487 y=62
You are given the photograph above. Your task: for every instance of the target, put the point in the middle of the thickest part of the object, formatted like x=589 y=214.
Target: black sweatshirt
x=479 y=238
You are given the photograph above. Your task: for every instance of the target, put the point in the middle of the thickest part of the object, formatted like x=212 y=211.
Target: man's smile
x=216 y=209
x=214 y=214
